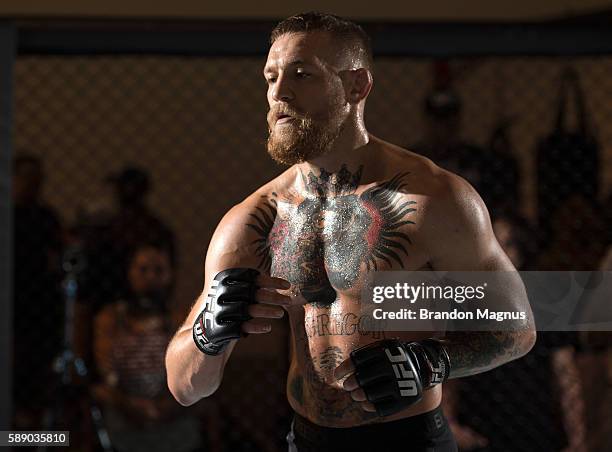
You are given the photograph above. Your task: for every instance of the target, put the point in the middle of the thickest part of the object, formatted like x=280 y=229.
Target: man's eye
x=270 y=80
x=302 y=75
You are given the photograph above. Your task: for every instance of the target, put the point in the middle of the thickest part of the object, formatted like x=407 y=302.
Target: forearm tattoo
x=473 y=352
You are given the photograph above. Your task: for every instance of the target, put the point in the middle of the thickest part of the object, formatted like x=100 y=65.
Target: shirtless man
x=349 y=204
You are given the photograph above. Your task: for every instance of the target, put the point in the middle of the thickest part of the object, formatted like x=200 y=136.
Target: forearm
x=494 y=343
x=473 y=352
x=193 y=375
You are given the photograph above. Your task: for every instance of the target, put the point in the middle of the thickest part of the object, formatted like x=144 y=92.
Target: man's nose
x=281 y=91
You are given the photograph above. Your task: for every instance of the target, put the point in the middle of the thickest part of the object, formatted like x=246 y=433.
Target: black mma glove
x=225 y=308
x=394 y=375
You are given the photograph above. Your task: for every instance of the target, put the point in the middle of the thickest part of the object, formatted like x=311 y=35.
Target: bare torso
x=324 y=233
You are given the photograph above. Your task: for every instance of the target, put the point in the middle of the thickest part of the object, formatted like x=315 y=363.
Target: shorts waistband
x=422 y=425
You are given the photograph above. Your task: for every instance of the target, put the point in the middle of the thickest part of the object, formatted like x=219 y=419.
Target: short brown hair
x=349 y=33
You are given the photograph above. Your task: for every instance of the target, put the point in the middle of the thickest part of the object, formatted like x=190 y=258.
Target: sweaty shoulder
x=426 y=177
x=453 y=216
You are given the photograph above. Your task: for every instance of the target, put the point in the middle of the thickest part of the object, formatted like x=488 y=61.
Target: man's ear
x=358 y=83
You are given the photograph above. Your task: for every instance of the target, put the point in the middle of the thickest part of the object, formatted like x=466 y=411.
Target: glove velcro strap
x=203 y=344
x=434 y=359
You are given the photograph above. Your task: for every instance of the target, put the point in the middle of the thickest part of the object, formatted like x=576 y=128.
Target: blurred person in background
x=134 y=220
x=595 y=362
x=130 y=339
x=109 y=237
x=578 y=242
x=37 y=291
x=548 y=412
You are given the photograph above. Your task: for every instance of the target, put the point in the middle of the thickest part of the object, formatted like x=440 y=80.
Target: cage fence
x=192 y=131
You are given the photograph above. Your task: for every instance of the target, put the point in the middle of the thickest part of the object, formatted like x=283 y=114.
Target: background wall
x=386 y=9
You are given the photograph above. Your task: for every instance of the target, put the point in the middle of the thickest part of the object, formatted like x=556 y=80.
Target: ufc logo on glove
x=405 y=377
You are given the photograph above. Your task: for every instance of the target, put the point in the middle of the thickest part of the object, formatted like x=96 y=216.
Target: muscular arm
x=193 y=375
x=462 y=239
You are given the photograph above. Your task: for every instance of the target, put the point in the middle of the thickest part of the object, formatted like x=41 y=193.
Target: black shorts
x=427 y=432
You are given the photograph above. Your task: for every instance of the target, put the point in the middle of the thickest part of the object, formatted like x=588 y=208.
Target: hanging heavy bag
x=567 y=161
x=500 y=173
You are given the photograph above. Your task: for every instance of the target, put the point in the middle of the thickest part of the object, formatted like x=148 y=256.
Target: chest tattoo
x=323 y=238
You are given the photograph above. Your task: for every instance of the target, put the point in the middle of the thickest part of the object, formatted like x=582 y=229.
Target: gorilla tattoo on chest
x=322 y=239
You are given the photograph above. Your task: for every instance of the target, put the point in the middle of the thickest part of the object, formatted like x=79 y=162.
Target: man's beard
x=305 y=138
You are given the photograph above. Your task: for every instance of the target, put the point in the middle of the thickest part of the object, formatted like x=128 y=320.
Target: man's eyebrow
x=296 y=63
x=270 y=68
